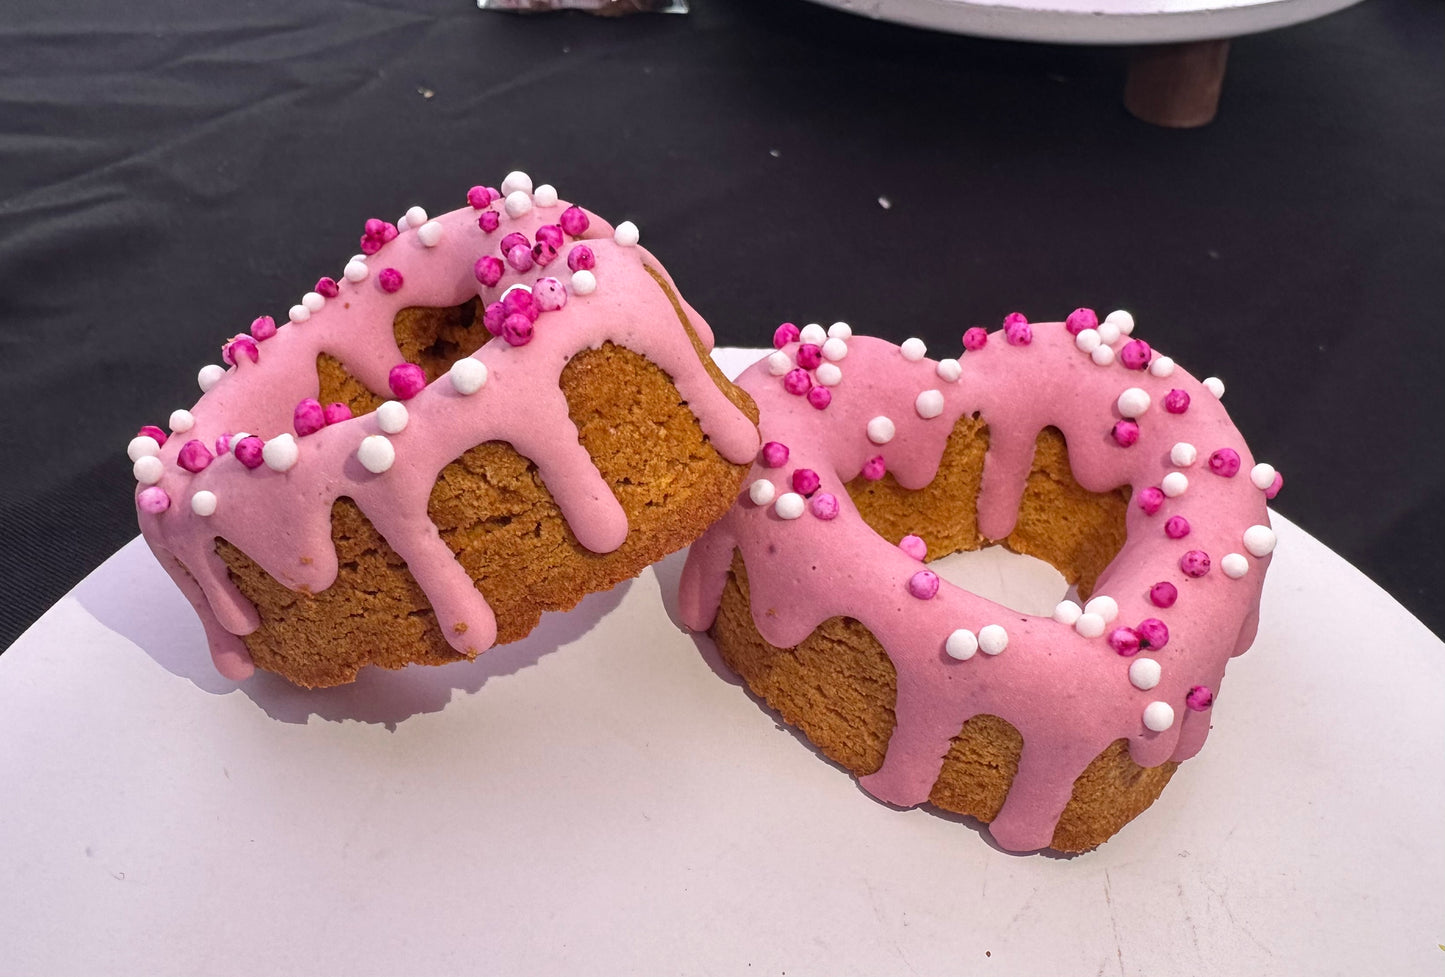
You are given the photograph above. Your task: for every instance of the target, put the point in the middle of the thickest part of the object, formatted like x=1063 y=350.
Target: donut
x=1071 y=442
x=489 y=414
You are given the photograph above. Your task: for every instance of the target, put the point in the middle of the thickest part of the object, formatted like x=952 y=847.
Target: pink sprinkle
x=1126 y=432
x=194 y=456
x=824 y=505
x=377 y=233
x=248 y=451
x=1195 y=563
x=1125 y=641
x=552 y=234
x=373 y=227
x=797 y=382
x=153 y=499
x=1199 y=698
x=519 y=301
x=308 y=418
x=543 y=253
x=479 y=197
x=914 y=546
x=1163 y=594
x=151 y=431
x=517 y=330
x=820 y=397
x=975 y=338
x=581 y=258
x=223 y=444
x=1176 y=401
x=389 y=279
x=1225 y=462
x=493 y=317
x=575 y=221
x=1151 y=499
x=1018 y=333
x=775 y=454
x=810 y=356
x=489 y=221
x=1015 y=319
x=515 y=239
x=1081 y=319
x=550 y=294
x=1153 y=633
x=336 y=412
x=923 y=584
x=240 y=344
x=1135 y=354
x=520 y=258
x=1177 y=527
x=406 y=380
x=263 y=327
x=488 y=270
x=806 y=481
x=327 y=287
x=874 y=468
x=1274 y=486
x=785 y=334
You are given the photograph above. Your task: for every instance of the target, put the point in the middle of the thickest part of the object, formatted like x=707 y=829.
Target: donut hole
x=1019 y=582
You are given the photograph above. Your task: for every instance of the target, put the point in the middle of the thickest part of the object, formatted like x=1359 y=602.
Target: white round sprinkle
x=545 y=195
x=355 y=271
x=148 y=469
x=1259 y=540
x=914 y=349
x=1161 y=366
x=1183 y=454
x=583 y=282
x=280 y=453
x=313 y=301
x=1214 y=385
x=1106 y=607
x=358 y=257
x=142 y=446
x=376 y=454
x=929 y=404
x=430 y=233
x=518 y=203
x=1122 y=321
x=1174 y=484
x=401 y=223
x=182 y=421
x=1144 y=673
x=415 y=216
x=762 y=492
x=1087 y=340
x=812 y=333
x=1234 y=565
x=1109 y=332
x=392 y=416
x=468 y=375
x=1089 y=625
x=236 y=439
x=779 y=362
x=1133 y=402
x=961 y=644
x=992 y=639
x=626 y=234
x=1102 y=355
x=1158 y=716
x=516 y=180
x=209 y=376
x=840 y=330
x=1067 y=612
x=790 y=505
x=881 y=430
x=949 y=370
x=515 y=286
x=298 y=313
x=828 y=374
x=835 y=349
x=1262 y=475
x=203 y=503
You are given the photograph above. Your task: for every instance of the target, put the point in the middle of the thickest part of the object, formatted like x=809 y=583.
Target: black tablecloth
x=170 y=170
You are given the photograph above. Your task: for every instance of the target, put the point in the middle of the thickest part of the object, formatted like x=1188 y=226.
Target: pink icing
x=1065 y=693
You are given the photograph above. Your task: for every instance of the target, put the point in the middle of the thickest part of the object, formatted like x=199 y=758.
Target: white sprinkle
x=415 y=216
x=376 y=454
x=835 y=349
x=1183 y=454
x=1109 y=332
x=1174 y=484
x=1215 y=386
x=779 y=362
x=298 y=313
x=468 y=375
x=812 y=333
x=182 y=421
x=881 y=430
x=1067 y=612
x=992 y=639
x=358 y=257
x=1144 y=673
x=626 y=234
x=516 y=180
x=1122 y=321
x=355 y=271
x=518 y=203
x=430 y=234
x=949 y=370
x=401 y=223
x=148 y=469
x=790 y=505
x=1161 y=366
x=236 y=439
x=545 y=195
x=1133 y=402
x=1260 y=540
x=1262 y=475
x=762 y=492
x=142 y=446
x=1087 y=340
x=1158 y=716
x=583 y=282
x=203 y=503
x=1089 y=625
x=929 y=404
x=914 y=349
x=840 y=330
x=392 y=417
x=885 y=203
x=1106 y=607
x=313 y=301
x=280 y=453
x=515 y=286
x=209 y=376
x=828 y=374
x=961 y=644
x=1234 y=565
x=1102 y=355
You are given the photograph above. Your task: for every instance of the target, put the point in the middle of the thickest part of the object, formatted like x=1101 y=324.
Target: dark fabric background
x=169 y=170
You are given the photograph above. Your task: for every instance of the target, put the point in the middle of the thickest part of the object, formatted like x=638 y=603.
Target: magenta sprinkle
x=1195 y=563
x=1151 y=500
x=806 y=481
x=1199 y=698
x=1225 y=462
x=479 y=197
x=775 y=454
x=552 y=234
x=517 y=330
x=327 y=286
x=549 y=294
x=308 y=418
x=1163 y=594
x=1126 y=432
x=923 y=584
x=223 y=444
x=1018 y=333
x=488 y=270
x=377 y=232
x=153 y=499
x=263 y=327
x=1153 y=633
x=785 y=334
x=1176 y=401
x=336 y=412
x=248 y=452
x=810 y=357
x=513 y=240
x=824 y=505
x=520 y=258
x=238 y=345
x=543 y=253
x=493 y=317
x=519 y=301
x=1135 y=354
x=820 y=397
x=194 y=456
x=581 y=258
x=975 y=338
x=489 y=221
x=575 y=221
x=1015 y=319
x=1081 y=319
x=914 y=546
x=151 y=431
x=389 y=279
x=1274 y=486
x=874 y=468
x=797 y=382
x=1177 y=527
x=406 y=380
x=1125 y=641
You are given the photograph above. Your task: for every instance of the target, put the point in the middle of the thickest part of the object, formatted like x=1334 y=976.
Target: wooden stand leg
x=1176 y=85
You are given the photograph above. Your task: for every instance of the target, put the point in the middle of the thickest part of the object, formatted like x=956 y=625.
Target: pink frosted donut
x=1111 y=691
